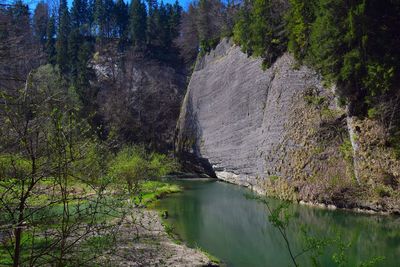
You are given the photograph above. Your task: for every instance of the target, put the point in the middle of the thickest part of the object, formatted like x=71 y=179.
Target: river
x=220 y=219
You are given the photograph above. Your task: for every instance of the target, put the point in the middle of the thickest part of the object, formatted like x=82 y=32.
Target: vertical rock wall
x=253 y=125
x=280 y=132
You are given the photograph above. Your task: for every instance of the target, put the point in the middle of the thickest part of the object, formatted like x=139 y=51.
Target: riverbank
x=351 y=200
x=212 y=215
x=143 y=241
x=115 y=229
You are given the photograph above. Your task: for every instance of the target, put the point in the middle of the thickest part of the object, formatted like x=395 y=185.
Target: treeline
x=354 y=44
x=68 y=36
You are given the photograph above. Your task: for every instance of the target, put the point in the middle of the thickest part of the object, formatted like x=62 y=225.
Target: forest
x=70 y=170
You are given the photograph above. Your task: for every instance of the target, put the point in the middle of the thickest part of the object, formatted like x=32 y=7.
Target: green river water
x=220 y=219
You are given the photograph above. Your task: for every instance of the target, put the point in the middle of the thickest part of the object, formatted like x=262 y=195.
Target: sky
x=32 y=3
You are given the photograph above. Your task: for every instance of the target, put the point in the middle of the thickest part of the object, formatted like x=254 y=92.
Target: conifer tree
x=79 y=16
x=83 y=88
x=137 y=24
x=74 y=42
x=109 y=18
x=100 y=18
x=50 y=41
x=153 y=21
x=121 y=19
x=299 y=20
x=62 y=37
x=175 y=19
x=40 y=21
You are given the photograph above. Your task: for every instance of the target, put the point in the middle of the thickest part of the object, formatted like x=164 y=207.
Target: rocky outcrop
x=278 y=131
x=138 y=98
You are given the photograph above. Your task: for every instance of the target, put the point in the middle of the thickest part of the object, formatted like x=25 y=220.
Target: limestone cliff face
x=278 y=131
x=139 y=98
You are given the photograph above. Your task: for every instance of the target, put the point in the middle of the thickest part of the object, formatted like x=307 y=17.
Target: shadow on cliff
x=187 y=142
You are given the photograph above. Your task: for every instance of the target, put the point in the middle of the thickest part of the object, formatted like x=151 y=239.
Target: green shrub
x=346 y=149
x=383 y=191
x=373 y=113
x=134 y=164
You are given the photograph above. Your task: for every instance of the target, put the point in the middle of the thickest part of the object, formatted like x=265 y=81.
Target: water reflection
x=219 y=218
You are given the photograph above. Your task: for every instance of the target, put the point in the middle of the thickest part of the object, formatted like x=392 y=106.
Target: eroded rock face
x=280 y=132
x=139 y=98
x=241 y=118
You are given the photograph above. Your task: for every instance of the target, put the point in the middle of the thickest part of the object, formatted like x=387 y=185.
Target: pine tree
x=121 y=19
x=109 y=18
x=74 y=41
x=50 y=41
x=62 y=37
x=162 y=27
x=175 y=19
x=153 y=21
x=137 y=24
x=79 y=16
x=100 y=18
x=90 y=16
x=83 y=88
x=241 y=30
x=299 y=20
x=40 y=21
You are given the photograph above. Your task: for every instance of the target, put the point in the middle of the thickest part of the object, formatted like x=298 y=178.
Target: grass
x=151 y=191
x=211 y=257
x=107 y=209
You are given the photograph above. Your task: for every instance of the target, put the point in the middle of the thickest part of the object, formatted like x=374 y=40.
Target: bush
x=134 y=164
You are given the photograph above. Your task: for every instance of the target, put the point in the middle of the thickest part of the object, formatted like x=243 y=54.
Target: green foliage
x=373 y=113
x=344 y=41
x=121 y=19
x=207 y=45
x=64 y=28
x=50 y=41
x=299 y=19
x=150 y=191
x=315 y=100
x=379 y=78
x=383 y=191
x=258 y=30
x=129 y=166
x=14 y=167
x=347 y=150
x=241 y=33
x=133 y=165
x=137 y=24
x=79 y=15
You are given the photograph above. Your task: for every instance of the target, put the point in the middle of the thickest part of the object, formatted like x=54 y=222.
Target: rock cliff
x=278 y=131
x=138 y=98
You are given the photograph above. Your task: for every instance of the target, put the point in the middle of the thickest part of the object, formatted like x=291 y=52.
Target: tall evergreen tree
x=153 y=21
x=121 y=18
x=241 y=30
x=40 y=21
x=74 y=42
x=62 y=37
x=79 y=16
x=109 y=18
x=175 y=19
x=137 y=24
x=50 y=40
x=260 y=30
x=299 y=20
x=90 y=15
x=82 y=85
x=100 y=18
